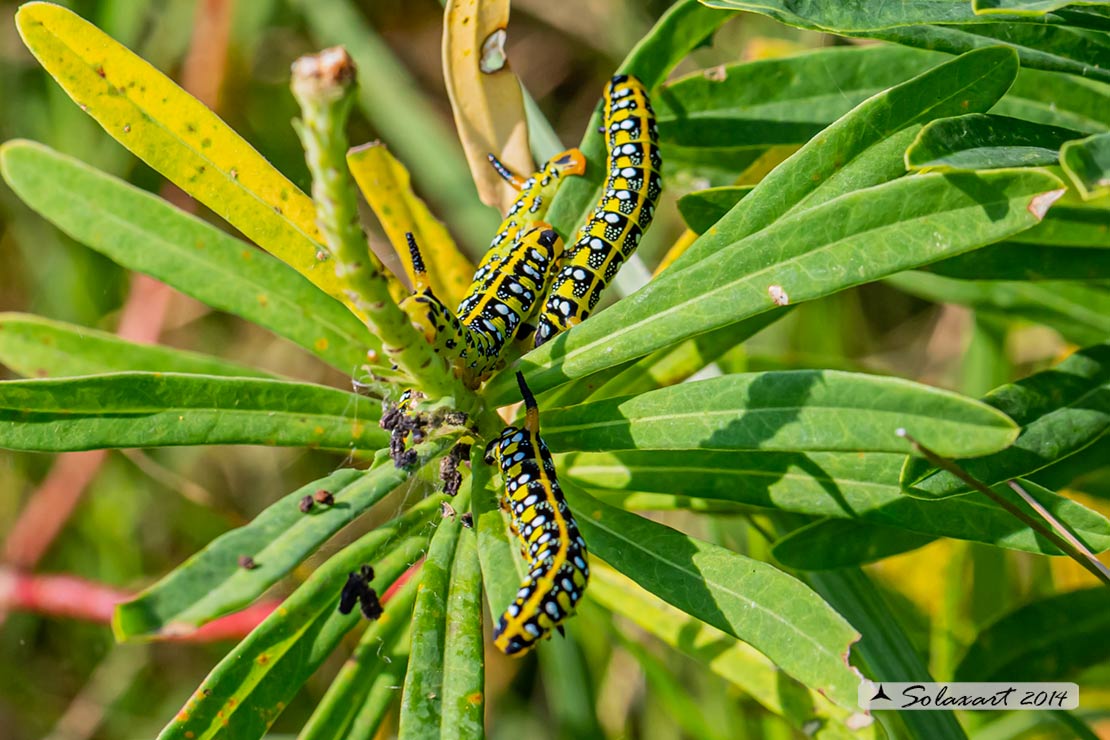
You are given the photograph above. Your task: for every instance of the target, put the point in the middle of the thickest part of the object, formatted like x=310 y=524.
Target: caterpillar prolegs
x=624 y=212
x=555 y=551
x=492 y=317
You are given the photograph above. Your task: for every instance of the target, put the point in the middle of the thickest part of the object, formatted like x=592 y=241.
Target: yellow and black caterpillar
x=492 y=317
x=528 y=210
x=625 y=211
x=542 y=521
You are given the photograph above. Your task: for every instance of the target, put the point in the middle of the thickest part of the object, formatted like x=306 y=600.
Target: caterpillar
x=490 y=318
x=622 y=215
x=529 y=208
x=555 y=551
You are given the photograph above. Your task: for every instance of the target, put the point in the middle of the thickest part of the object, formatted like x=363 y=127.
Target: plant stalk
x=324 y=86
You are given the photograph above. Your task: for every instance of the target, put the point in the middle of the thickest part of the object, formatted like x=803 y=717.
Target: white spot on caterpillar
x=778 y=295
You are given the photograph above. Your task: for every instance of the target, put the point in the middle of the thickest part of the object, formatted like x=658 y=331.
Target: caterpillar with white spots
x=624 y=212
x=492 y=317
x=542 y=521
x=528 y=210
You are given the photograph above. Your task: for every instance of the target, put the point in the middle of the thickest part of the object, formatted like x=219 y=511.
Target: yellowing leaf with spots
x=177 y=135
x=388 y=189
x=485 y=94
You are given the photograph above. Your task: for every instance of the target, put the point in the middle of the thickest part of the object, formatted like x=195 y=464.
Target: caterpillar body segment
x=554 y=549
x=489 y=319
x=512 y=293
x=529 y=208
x=624 y=212
x=439 y=324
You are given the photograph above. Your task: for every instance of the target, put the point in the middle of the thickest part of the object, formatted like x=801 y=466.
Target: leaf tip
x=1041 y=202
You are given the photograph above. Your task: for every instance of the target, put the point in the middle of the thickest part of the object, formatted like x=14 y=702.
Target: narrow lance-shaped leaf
x=387 y=187
x=145 y=233
x=800 y=410
x=485 y=94
x=821 y=16
x=421 y=701
x=728 y=657
x=845 y=242
x=502 y=570
x=1050 y=639
x=1049 y=47
x=839 y=543
x=684 y=26
x=970 y=83
x=250 y=687
x=1058 y=99
x=1080 y=312
x=861 y=488
x=979 y=142
x=379 y=654
x=177 y=135
x=1087 y=163
x=212 y=582
x=704 y=208
x=463 y=659
x=33 y=346
x=779 y=101
x=163 y=409
x=748 y=599
x=1060 y=410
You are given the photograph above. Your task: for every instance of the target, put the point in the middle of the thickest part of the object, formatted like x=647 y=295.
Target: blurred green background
x=145 y=511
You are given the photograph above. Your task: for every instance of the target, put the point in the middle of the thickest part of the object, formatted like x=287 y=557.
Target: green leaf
x=886 y=653
x=211 y=583
x=664 y=367
x=779 y=101
x=968 y=84
x=978 y=142
x=422 y=698
x=747 y=599
x=818 y=15
x=176 y=135
x=803 y=410
x=1060 y=410
x=859 y=488
x=728 y=657
x=250 y=687
x=1036 y=262
x=163 y=409
x=1058 y=99
x=1087 y=163
x=145 y=233
x=381 y=651
x=502 y=570
x=33 y=346
x=1054 y=48
x=1025 y=7
x=839 y=543
x=1047 y=640
x=703 y=208
x=1080 y=312
x=850 y=240
x=1070 y=226
x=463 y=702
x=684 y=26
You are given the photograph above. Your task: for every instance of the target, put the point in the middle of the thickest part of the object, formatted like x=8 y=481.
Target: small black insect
x=357 y=590
x=306 y=504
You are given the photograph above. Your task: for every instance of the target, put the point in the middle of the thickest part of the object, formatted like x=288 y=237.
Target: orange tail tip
x=570 y=162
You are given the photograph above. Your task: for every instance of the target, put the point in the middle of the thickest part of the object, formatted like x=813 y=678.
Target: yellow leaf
x=485 y=94
x=177 y=135
x=388 y=189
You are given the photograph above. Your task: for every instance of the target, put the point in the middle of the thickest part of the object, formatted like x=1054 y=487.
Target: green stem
x=324 y=86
